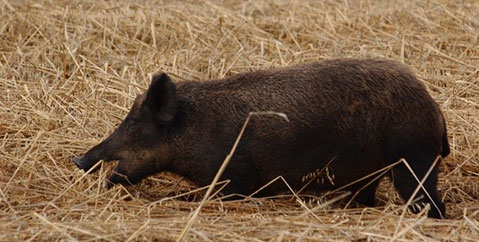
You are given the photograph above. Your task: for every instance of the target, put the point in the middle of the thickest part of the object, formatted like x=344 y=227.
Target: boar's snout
x=91 y=157
x=79 y=162
x=83 y=163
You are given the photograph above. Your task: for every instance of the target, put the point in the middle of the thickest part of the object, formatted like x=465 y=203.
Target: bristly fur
x=364 y=113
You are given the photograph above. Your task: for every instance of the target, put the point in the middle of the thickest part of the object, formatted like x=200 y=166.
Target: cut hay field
x=70 y=70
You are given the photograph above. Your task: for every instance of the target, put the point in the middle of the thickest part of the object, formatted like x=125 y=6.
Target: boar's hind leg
x=405 y=183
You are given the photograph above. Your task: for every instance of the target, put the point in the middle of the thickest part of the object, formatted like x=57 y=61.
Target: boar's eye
x=131 y=123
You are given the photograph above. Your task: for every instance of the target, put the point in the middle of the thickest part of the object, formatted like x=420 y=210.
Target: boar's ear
x=161 y=98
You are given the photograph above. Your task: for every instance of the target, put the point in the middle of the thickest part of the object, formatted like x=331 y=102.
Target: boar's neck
x=207 y=122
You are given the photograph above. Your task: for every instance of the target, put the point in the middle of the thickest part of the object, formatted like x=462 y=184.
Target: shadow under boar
x=354 y=116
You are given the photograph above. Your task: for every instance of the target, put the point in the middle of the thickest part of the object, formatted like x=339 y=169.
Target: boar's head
x=140 y=141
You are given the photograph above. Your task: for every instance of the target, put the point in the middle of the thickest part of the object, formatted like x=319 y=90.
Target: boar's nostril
x=85 y=163
x=78 y=162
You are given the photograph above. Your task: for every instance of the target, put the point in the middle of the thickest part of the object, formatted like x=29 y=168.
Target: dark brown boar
x=353 y=116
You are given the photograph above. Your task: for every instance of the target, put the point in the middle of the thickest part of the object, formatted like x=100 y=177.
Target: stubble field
x=70 y=70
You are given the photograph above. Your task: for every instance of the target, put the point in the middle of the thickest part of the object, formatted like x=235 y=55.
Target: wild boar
x=349 y=117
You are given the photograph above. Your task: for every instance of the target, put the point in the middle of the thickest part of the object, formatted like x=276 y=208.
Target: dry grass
x=69 y=71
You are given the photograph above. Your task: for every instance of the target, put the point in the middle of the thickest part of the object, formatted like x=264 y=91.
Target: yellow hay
x=70 y=70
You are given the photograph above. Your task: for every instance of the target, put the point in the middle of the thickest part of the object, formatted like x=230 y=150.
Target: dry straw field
x=70 y=70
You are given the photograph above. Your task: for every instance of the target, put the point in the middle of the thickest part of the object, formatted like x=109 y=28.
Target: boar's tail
x=445 y=143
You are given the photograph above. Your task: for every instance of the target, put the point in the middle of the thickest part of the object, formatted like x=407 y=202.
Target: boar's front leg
x=420 y=161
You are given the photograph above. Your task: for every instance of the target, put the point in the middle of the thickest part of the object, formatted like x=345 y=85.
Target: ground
x=70 y=70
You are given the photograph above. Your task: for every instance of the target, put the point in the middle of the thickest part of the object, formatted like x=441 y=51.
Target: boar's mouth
x=122 y=173
x=84 y=164
x=118 y=175
x=102 y=151
x=91 y=158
